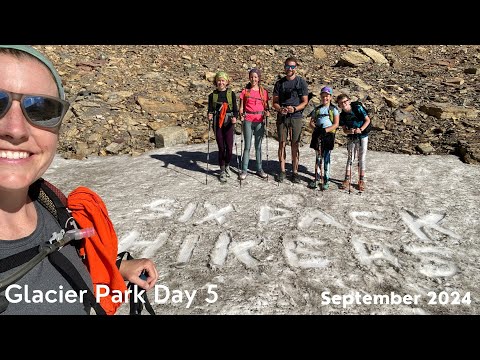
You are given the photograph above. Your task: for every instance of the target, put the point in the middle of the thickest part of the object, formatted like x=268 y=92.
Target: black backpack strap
x=59 y=200
x=51 y=200
x=18 y=259
x=66 y=268
x=136 y=308
x=3 y=303
x=55 y=202
x=359 y=115
x=63 y=266
x=356 y=110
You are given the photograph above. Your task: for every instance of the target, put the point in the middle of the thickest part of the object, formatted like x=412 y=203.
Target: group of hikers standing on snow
x=288 y=101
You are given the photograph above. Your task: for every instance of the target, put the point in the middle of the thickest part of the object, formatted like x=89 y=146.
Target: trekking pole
x=358 y=160
x=352 y=159
x=317 y=166
x=289 y=134
x=241 y=143
x=320 y=165
x=289 y=129
x=266 y=141
x=208 y=149
x=236 y=152
x=208 y=142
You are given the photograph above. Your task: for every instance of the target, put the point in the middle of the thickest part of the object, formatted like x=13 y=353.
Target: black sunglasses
x=40 y=110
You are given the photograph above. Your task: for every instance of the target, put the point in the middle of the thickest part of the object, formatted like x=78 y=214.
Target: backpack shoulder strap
x=229 y=99
x=282 y=82
x=263 y=96
x=356 y=106
x=247 y=89
x=331 y=109
x=299 y=86
x=331 y=113
x=54 y=201
x=246 y=95
x=50 y=194
x=69 y=272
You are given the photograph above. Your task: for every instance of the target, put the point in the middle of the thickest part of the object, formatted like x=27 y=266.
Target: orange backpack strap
x=263 y=96
x=100 y=250
x=245 y=97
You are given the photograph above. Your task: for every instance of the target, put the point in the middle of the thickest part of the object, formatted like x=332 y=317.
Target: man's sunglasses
x=40 y=110
x=290 y=67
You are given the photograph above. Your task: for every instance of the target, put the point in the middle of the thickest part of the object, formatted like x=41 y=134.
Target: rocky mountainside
x=127 y=99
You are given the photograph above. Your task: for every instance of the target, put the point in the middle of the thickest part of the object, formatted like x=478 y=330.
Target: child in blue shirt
x=324 y=119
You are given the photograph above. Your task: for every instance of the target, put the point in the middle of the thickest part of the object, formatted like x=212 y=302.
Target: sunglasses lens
x=3 y=102
x=43 y=111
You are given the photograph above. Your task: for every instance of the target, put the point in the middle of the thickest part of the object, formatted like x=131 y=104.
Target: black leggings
x=224 y=137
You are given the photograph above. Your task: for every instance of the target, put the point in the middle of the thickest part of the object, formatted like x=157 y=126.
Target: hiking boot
x=295 y=178
x=361 y=185
x=282 y=176
x=227 y=171
x=223 y=176
x=313 y=184
x=262 y=174
x=345 y=184
x=243 y=175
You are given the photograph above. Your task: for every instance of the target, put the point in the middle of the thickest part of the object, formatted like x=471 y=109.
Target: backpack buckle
x=56 y=237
